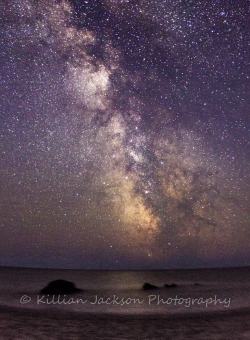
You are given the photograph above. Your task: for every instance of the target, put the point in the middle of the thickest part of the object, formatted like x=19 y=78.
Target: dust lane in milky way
x=124 y=134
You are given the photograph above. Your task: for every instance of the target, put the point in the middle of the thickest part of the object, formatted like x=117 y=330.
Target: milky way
x=124 y=134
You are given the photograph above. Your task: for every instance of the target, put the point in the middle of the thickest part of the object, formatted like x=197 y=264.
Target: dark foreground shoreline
x=33 y=324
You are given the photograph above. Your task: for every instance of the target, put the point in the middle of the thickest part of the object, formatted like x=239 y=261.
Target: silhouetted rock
x=197 y=284
x=148 y=286
x=60 y=287
x=173 y=285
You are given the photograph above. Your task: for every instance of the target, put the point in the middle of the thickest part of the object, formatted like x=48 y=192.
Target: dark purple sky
x=124 y=134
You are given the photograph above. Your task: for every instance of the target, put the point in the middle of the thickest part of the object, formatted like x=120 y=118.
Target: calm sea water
x=120 y=291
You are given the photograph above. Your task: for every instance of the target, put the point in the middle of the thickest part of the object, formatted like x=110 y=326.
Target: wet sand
x=25 y=324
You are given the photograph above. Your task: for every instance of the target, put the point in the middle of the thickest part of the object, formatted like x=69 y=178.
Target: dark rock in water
x=197 y=284
x=173 y=285
x=148 y=286
x=60 y=287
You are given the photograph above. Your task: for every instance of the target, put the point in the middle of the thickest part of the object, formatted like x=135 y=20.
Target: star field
x=124 y=134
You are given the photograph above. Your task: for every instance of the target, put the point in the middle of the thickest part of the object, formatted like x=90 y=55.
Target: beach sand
x=26 y=324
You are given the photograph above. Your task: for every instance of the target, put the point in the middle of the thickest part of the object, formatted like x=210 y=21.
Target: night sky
x=124 y=133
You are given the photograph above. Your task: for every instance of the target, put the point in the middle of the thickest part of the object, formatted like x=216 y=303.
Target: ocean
x=120 y=292
x=205 y=304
